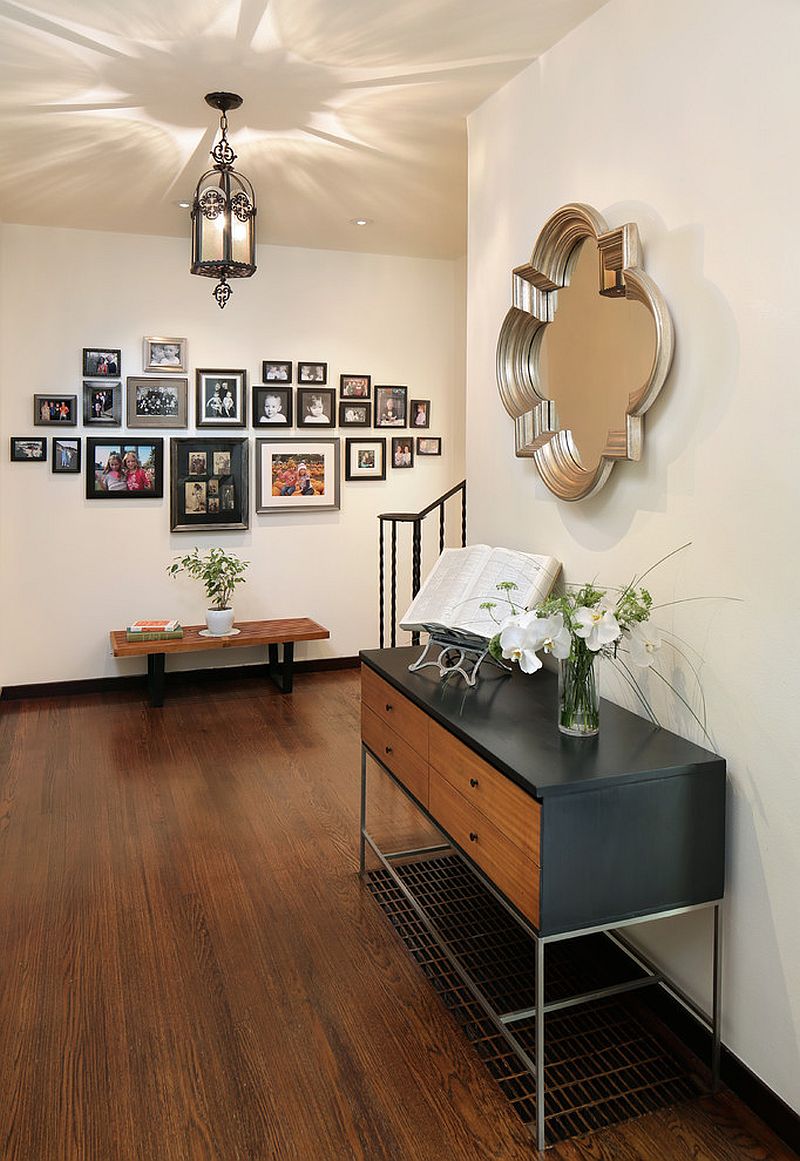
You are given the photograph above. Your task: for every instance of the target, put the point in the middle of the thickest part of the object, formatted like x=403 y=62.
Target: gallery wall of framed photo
x=151 y=372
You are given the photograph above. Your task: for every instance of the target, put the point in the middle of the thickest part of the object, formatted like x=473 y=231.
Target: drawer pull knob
x=473 y=781
x=389 y=707
x=473 y=838
x=388 y=749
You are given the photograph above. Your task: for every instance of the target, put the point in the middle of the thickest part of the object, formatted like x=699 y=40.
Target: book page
x=445 y=587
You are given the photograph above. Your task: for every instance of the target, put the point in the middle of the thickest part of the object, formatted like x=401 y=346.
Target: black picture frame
x=209 y=483
x=359 y=464
x=101 y=363
x=214 y=387
x=102 y=403
x=355 y=413
x=106 y=481
x=429 y=445
x=152 y=402
x=297 y=474
x=309 y=374
x=66 y=456
x=355 y=386
x=402 y=451
x=276 y=371
x=307 y=413
x=57 y=417
x=419 y=414
x=391 y=406
x=269 y=418
x=28 y=449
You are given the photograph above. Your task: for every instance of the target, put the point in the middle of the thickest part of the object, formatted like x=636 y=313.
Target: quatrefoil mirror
x=583 y=351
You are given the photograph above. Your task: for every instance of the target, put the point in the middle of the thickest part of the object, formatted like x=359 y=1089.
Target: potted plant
x=220 y=573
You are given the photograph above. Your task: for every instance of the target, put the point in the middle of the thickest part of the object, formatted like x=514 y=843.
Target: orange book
x=154 y=626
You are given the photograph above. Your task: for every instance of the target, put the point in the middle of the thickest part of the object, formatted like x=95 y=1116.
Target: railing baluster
x=394 y=584
x=382 y=596
x=464 y=515
x=416 y=567
x=441 y=528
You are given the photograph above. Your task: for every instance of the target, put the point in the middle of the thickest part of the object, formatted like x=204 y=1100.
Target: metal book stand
x=455 y=652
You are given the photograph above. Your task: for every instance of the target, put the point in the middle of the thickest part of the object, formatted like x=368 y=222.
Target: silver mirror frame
x=535 y=299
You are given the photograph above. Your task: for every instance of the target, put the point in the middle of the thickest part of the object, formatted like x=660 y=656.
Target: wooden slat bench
x=270 y=633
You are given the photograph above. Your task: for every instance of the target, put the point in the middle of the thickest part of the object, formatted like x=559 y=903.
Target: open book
x=463 y=578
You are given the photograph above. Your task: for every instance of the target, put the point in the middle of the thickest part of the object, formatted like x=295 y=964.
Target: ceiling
x=352 y=108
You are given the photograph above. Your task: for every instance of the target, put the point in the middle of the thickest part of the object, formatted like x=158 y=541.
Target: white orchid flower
x=519 y=644
x=556 y=637
x=644 y=643
x=598 y=626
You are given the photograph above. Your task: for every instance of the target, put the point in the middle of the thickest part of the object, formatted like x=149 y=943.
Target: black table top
x=510 y=720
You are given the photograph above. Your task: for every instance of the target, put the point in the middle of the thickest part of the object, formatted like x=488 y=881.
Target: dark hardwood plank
x=191 y=968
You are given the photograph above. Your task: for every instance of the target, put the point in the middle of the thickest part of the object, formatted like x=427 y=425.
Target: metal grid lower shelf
x=603 y=1064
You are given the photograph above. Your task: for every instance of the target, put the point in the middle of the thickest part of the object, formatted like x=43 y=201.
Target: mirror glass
x=593 y=355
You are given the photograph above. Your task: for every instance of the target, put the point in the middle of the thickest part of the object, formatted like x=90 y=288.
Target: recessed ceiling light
x=361 y=221
x=184 y=205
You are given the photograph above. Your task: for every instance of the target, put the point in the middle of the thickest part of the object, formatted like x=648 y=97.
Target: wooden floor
x=191 y=968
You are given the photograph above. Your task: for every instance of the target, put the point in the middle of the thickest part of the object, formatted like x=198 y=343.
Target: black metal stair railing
x=415 y=519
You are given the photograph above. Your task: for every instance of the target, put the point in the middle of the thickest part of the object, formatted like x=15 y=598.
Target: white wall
x=73 y=568
x=680 y=117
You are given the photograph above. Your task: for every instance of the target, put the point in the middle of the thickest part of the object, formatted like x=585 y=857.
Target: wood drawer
x=515 y=814
x=508 y=867
x=396 y=711
x=406 y=764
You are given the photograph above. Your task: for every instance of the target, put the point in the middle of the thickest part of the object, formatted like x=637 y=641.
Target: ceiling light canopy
x=223 y=213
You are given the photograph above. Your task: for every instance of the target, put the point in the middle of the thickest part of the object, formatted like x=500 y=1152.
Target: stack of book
x=154 y=631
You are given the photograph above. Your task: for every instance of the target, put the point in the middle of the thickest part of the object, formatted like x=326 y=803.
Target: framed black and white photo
x=164 y=356
x=66 y=455
x=420 y=413
x=390 y=406
x=402 y=451
x=276 y=371
x=312 y=372
x=124 y=469
x=365 y=459
x=102 y=403
x=26 y=449
x=102 y=362
x=221 y=398
x=355 y=386
x=297 y=475
x=316 y=407
x=352 y=413
x=209 y=483
x=55 y=410
x=272 y=406
x=158 y=402
x=429 y=445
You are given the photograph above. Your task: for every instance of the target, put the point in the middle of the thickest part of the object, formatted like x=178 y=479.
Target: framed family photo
x=365 y=459
x=28 y=449
x=391 y=404
x=66 y=455
x=297 y=475
x=354 y=414
x=221 y=398
x=276 y=371
x=102 y=404
x=208 y=484
x=429 y=445
x=355 y=386
x=124 y=469
x=102 y=362
x=55 y=409
x=316 y=407
x=158 y=402
x=402 y=451
x=420 y=413
x=164 y=355
x=272 y=405
x=312 y=372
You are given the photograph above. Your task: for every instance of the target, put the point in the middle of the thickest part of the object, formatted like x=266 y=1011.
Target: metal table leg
x=155 y=678
x=539 y=984
x=716 y=998
x=282 y=674
x=362 y=842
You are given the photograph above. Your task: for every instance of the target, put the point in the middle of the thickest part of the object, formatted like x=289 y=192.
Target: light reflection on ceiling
x=352 y=108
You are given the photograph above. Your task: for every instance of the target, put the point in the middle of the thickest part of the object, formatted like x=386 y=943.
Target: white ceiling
x=352 y=108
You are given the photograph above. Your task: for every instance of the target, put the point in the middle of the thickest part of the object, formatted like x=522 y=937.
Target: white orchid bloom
x=556 y=637
x=519 y=644
x=644 y=643
x=598 y=626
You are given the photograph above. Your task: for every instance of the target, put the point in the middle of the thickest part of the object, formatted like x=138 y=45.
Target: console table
x=571 y=835
x=270 y=633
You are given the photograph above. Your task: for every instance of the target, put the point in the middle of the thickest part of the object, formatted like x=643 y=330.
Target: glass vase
x=578 y=699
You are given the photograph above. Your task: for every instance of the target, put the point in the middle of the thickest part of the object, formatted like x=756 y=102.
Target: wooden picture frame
x=157 y=402
x=66 y=456
x=429 y=445
x=310 y=374
x=402 y=451
x=221 y=398
x=55 y=410
x=269 y=413
x=297 y=475
x=102 y=363
x=365 y=459
x=355 y=386
x=209 y=483
x=419 y=413
x=164 y=356
x=28 y=449
x=124 y=468
x=391 y=406
x=316 y=407
x=102 y=403
x=355 y=413
x=276 y=371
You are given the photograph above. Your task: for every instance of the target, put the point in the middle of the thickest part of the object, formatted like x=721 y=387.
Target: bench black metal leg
x=282 y=674
x=155 y=677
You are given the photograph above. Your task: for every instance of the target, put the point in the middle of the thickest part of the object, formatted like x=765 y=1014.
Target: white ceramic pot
x=219 y=621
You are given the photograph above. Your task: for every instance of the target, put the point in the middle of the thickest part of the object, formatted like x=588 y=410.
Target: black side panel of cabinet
x=620 y=852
